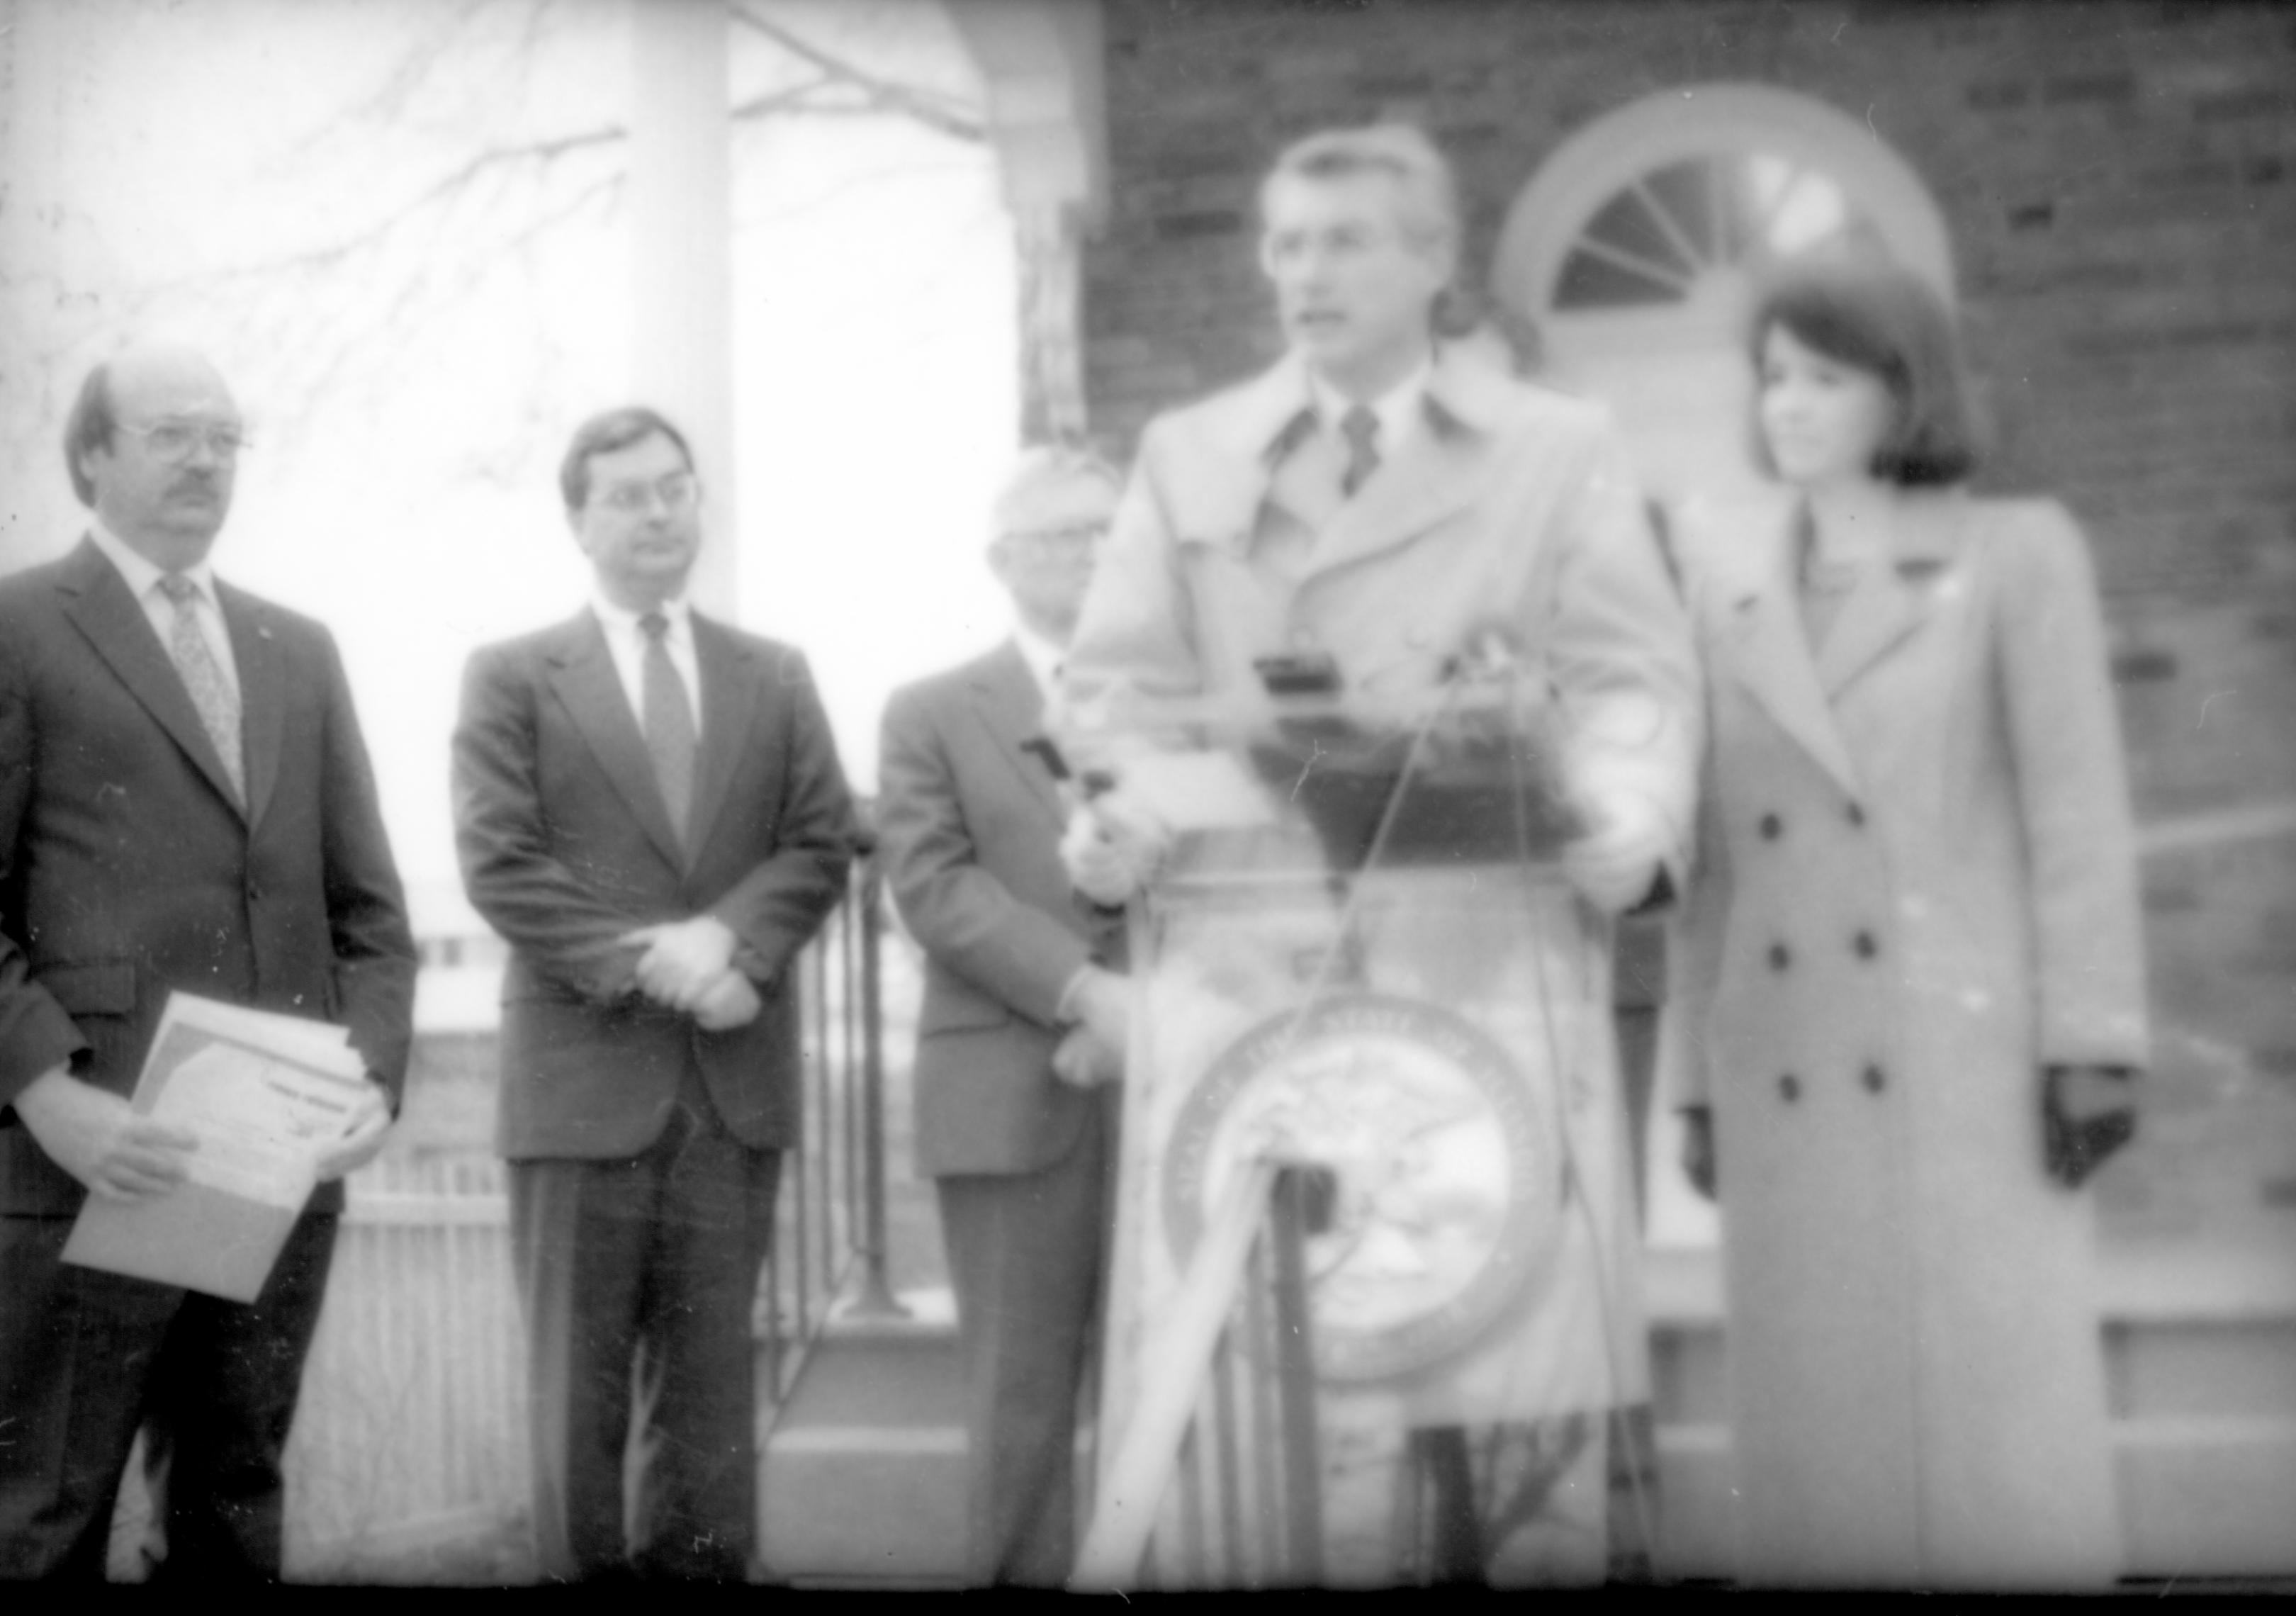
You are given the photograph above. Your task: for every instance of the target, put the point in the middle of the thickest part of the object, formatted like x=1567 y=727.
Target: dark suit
x=970 y=827
x=643 y=1149
x=126 y=872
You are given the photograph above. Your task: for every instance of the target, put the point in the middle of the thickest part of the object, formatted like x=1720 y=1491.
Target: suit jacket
x=127 y=871
x=970 y=827
x=565 y=846
x=1511 y=511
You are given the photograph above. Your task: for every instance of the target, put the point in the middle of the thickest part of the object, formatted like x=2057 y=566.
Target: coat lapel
x=1770 y=657
x=1432 y=475
x=1257 y=432
x=101 y=607
x=582 y=673
x=729 y=702
x=1009 y=706
x=262 y=696
x=1887 y=604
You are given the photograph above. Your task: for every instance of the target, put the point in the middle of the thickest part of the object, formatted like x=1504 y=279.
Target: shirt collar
x=621 y=619
x=140 y=573
x=1396 y=409
x=1043 y=657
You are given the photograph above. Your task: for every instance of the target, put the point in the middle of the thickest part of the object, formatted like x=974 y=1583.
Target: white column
x=681 y=257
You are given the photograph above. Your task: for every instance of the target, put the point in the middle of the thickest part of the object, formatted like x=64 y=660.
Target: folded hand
x=362 y=1138
x=731 y=1001
x=680 y=961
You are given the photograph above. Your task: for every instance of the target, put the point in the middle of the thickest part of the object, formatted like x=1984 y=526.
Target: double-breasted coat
x=1915 y=889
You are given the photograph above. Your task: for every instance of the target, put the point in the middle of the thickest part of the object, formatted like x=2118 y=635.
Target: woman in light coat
x=1912 y=1003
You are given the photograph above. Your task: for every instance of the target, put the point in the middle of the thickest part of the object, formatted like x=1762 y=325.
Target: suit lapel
x=730 y=699
x=583 y=674
x=1008 y=705
x=262 y=696
x=1770 y=657
x=101 y=607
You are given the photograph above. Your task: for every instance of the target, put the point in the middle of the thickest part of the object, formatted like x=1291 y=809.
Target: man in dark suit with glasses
x=648 y=806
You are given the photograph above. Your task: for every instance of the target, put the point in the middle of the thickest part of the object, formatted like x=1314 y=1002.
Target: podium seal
x=1447 y=1182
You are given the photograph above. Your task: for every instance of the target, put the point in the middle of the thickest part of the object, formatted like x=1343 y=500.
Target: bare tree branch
x=928 y=107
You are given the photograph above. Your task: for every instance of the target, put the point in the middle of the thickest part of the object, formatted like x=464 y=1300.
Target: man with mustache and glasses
x=186 y=803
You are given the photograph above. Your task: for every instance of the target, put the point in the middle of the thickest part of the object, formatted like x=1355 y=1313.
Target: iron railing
x=829 y=1254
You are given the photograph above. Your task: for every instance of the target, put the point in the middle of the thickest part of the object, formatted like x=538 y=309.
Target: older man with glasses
x=1022 y=1025
x=649 y=808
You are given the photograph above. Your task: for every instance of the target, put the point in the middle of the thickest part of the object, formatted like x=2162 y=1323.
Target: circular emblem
x=1444 y=1186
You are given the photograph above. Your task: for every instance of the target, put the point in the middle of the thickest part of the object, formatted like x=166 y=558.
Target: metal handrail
x=829 y=1254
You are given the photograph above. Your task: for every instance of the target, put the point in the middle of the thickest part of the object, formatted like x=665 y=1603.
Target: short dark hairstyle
x=89 y=427
x=1885 y=320
x=602 y=434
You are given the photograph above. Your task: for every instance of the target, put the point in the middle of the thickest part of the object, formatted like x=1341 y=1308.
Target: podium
x=1374 y=1288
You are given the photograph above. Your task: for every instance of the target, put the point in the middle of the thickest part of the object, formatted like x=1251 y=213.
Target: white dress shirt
x=627 y=643
x=143 y=579
x=1397 y=410
x=1043 y=658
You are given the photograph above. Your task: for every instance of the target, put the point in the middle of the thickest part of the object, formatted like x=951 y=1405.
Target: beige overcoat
x=1915 y=889
x=1508 y=514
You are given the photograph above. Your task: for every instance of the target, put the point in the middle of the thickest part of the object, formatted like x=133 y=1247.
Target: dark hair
x=88 y=428
x=604 y=434
x=1875 y=317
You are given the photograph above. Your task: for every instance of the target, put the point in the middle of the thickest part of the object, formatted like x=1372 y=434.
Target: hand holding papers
x=273 y=1104
x=98 y=1138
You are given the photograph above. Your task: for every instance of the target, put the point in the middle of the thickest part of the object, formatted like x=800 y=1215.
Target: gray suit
x=970 y=826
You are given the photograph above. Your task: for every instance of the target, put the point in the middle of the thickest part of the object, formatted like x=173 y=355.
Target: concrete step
x=863 y=1473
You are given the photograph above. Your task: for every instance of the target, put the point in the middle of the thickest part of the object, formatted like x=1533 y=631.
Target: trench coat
x=1507 y=514
x=1915 y=890
x=1511 y=513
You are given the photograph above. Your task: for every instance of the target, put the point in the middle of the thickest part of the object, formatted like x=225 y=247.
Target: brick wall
x=2120 y=184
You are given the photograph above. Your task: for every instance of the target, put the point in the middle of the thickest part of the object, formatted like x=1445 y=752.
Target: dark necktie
x=668 y=719
x=1360 y=428
x=212 y=696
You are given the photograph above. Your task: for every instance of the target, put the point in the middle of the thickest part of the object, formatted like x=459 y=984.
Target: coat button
x=1780 y=956
x=1857 y=817
x=1789 y=1089
x=1771 y=825
x=1866 y=946
x=1875 y=1082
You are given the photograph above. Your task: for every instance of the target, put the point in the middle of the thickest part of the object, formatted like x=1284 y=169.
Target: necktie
x=1360 y=428
x=211 y=691
x=668 y=720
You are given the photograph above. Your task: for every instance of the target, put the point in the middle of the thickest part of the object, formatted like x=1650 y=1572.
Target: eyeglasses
x=172 y=441
x=678 y=493
x=1073 y=538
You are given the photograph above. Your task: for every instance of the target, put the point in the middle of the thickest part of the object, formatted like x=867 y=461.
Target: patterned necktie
x=1360 y=428
x=668 y=719
x=211 y=693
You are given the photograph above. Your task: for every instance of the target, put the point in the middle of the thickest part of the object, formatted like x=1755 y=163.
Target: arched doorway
x=1632 y=249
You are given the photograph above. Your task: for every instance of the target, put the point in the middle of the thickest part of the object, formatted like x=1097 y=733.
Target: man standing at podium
x=1391 y=510
x=1021 y=1027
